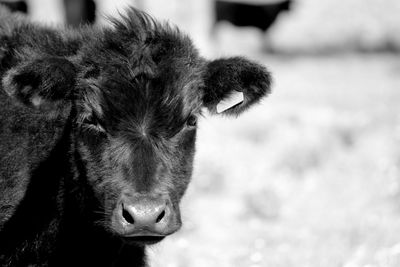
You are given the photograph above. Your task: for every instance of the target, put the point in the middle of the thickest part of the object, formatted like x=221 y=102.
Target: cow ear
x=234 y=84
x=40 y=83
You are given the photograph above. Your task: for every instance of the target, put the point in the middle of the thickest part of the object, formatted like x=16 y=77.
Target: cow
x=242 y=13
x=98 y=130
x=79 y=12
x=15 y=6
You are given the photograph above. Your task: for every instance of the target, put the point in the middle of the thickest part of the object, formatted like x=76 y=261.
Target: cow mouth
x=143 y=240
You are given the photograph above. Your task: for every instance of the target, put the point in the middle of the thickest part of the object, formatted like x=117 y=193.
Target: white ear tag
x=232 y=100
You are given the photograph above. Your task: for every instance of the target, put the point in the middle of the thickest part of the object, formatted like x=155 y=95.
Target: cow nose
x=144 y=214
x=145 y=217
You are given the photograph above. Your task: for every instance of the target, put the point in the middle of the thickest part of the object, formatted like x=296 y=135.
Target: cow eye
x=92 y=123
x=191 y=121
x=90 y=120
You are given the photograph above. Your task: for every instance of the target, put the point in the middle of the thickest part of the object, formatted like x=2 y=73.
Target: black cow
x=258 y=15
x=97 y=130
x=15 y=6
x=79 y=12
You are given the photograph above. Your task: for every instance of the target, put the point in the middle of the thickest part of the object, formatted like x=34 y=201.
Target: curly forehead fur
x=154 y=66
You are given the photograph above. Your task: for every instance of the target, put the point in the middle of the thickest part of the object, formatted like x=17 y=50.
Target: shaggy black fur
x=90 y=114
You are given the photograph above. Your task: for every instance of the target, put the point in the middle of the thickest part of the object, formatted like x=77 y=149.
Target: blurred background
x=311 y=176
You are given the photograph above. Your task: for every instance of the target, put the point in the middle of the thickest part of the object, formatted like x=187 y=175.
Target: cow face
x=138 y=92
x=136 y=136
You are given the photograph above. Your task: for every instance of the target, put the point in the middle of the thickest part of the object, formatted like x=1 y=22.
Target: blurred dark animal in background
x=256 y=14
x=98 y=130
x=15 y=6
x=77 y=12
x=80 y=12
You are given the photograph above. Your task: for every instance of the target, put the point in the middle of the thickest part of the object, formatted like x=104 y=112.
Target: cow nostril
x=160 y=217
x=127 y=216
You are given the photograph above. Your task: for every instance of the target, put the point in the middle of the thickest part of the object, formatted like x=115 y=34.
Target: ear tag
x=232 y=100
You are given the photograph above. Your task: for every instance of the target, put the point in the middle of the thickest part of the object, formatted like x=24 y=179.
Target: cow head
x=143 y=89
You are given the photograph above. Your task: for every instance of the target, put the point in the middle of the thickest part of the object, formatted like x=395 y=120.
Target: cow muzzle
x=145 y=219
